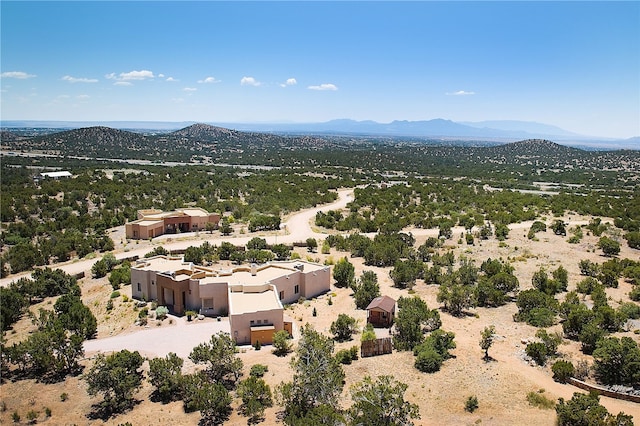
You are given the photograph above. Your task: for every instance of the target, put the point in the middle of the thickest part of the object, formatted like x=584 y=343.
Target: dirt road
x=297 y=227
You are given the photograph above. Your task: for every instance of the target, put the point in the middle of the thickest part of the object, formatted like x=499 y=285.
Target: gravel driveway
x=154 y=341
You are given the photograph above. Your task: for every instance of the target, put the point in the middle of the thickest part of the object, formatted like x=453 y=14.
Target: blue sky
x=571 y=64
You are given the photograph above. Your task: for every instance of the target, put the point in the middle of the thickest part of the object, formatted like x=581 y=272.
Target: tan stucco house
x=252 y=296
x=153 y=222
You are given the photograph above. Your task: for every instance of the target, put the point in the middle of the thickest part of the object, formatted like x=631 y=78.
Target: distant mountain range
x=499 y=131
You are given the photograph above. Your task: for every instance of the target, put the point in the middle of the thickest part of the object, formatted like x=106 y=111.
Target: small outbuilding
x=381 y=311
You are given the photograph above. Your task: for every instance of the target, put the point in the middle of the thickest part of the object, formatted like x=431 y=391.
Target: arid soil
x=501 y=385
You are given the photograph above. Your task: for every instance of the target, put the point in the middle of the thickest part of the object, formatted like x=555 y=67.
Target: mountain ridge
x=438 y=128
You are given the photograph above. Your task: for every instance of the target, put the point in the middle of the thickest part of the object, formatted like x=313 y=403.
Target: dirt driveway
x=153 y=341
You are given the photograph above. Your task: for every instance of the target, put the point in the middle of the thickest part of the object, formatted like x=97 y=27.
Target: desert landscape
x=501 y=385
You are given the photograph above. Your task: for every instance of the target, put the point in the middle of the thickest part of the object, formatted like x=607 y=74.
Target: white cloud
x=136 y=75
x=131 y=75
x=189 y=89
x=324 y=86
x=83 y=97
x=79 y=79
x=160 y=75
x=123 y=83
x=16 y=74
x=460 y=93
x=249 y=81
x=289 y=82
x=171 y=79
x=209 y=80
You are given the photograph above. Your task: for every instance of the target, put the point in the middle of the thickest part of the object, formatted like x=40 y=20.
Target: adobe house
x=252 y=296
x=381 y=311
x=152 y=223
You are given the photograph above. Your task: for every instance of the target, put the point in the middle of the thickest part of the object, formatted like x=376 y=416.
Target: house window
x=207 y=303
x=251 y=322
x=282 y=295
x=296 y=289
x=153 y=282
x=139 y=287
x=259 y=321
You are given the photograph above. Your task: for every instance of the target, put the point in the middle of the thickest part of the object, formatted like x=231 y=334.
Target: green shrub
x=162 y=312
x=429 y=360
x=257 y=346
x=541 y=317
x=368 y=333
x=281 y=343
x=562 y=371
x=537 y=399
x=64 y=396
x=471 y=404
x=115 y=294
x=538 y=352
x=32 y=415
x=258 y=370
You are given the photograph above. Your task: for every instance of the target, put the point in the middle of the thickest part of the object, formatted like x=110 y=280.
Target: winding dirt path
x=296 y=228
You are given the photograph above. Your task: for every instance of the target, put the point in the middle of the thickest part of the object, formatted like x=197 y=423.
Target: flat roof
x=242 y=303
x=264 y=274
x=147 y=222
x=195 y=212
x=161 y=264
x=56 y=174
x=306 y=266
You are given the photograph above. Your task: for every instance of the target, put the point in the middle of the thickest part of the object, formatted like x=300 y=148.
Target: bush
x=346 y=356
x=471 y=404
x=258 y=370
x=537 y=399
x=115 y=294
x=257 y=346
x=281 y=344
x=429 y=360
x=538 y=352
x=368 y=333
x=562 y=371
x=162 y=312
x=343 y=327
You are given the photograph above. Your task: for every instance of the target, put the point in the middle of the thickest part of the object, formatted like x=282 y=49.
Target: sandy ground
x=501 y=385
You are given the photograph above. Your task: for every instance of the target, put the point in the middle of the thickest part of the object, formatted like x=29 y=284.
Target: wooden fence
x=376 y=347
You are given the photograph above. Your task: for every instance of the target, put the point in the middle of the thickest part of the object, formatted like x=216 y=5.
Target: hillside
x=206 y=132
x=6 y=136
x=535 y=147
x=88 y=141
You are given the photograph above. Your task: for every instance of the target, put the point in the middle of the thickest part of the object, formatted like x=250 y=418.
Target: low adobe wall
x=603 y=391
